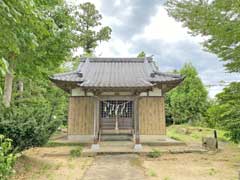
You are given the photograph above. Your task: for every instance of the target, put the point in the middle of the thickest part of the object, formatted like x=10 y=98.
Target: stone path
x=115 y=167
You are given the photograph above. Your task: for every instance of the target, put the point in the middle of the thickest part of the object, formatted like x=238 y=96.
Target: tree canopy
x=188 y=101
x=217 y=20
x=142 y=54
x=225 y=113
x=87 y=19
x=38 y=38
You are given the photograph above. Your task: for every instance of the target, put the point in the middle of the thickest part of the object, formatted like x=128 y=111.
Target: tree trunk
x=20 y=88
x=7 y=94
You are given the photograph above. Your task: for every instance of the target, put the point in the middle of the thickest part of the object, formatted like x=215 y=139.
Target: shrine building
x=116 y=96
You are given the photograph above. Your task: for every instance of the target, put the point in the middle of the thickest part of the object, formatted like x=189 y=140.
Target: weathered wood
x=81 y=116
x=127 y=98
x=136 y=121
x=95 y=123
x=152 y=116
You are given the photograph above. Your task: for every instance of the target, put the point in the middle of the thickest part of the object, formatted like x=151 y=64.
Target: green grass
x=212 y=172
x=151 y=173
x=154 y=153
x=189 y=133
x=57 y=144
x=76 y=152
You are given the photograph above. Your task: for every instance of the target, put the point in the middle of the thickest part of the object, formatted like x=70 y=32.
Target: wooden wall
x=81 y=116
x=152 y=116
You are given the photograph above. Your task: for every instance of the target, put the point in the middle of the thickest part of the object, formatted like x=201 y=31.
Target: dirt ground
x=223 y=165
x=53 y=163
x=39 y=164
x=115 y=167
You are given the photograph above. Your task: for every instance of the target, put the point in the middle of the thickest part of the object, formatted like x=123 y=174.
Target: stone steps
x=116 y=137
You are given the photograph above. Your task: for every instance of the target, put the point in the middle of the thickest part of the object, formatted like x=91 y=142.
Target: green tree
x=225 y=113
x=188 y=101
x=141 y=54
x=3 y=70
x=87 y=20
x=35 y=36
x=218 y=20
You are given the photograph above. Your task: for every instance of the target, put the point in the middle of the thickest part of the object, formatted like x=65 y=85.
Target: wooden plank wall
x=152 y=116
x=81 y=115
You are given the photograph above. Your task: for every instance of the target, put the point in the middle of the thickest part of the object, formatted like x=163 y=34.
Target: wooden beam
x=136 y=121
x=95 y=126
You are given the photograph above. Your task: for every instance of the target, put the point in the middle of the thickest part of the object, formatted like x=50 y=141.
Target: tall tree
x=188 y=102
x=88 y=19
x=217 y=20
x=33 y=38
x=225 y=113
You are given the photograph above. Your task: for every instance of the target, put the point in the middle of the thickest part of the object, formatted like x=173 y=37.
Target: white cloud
x=156 y=33
x=164 y=28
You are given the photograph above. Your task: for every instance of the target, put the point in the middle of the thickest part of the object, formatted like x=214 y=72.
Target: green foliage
x=87 y=19
x=34 y=115
x=3 y=70
x=76 y=152
x=218 y=20
x=7 y=158
x=141 y=54
x=3 y=66
x=225 y=113
x=151 y=173
x=154 y=153
x=187 y=102
x=29 y=125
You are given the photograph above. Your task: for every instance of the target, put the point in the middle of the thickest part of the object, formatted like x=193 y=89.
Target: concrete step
x=118 y=144
x=116 y=137
x=113 y=131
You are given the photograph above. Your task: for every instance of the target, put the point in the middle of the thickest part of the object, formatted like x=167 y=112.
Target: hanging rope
x=115 y=108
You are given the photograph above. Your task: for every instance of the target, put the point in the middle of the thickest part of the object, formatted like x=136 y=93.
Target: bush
x=7 y=158
x=76 y=152
x=28 y=125
x=154 y=153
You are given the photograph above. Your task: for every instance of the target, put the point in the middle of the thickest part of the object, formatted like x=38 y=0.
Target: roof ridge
x=116 y=59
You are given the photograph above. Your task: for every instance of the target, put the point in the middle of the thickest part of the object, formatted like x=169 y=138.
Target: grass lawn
x=191 y=134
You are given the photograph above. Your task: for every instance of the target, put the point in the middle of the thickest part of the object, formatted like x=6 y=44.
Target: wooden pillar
x=96 y=121
x=136 y=121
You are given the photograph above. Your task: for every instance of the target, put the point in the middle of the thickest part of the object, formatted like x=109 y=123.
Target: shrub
x=7 y=158
x=28 y=125
x=76 y=152
x=154 y=153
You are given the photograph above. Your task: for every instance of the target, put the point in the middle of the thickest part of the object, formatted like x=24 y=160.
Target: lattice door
x=116 y=114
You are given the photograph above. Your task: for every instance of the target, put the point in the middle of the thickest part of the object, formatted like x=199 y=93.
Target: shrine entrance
x=116 y=115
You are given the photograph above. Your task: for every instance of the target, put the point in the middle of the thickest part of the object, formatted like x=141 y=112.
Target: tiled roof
x=116 y=73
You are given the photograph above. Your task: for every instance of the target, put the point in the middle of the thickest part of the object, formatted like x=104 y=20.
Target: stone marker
x=209 y=143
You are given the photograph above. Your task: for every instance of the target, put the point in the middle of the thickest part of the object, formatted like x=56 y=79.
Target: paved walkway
x=115 y=167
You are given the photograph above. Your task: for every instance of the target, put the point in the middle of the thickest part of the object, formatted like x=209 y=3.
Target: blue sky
x=144 y=25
